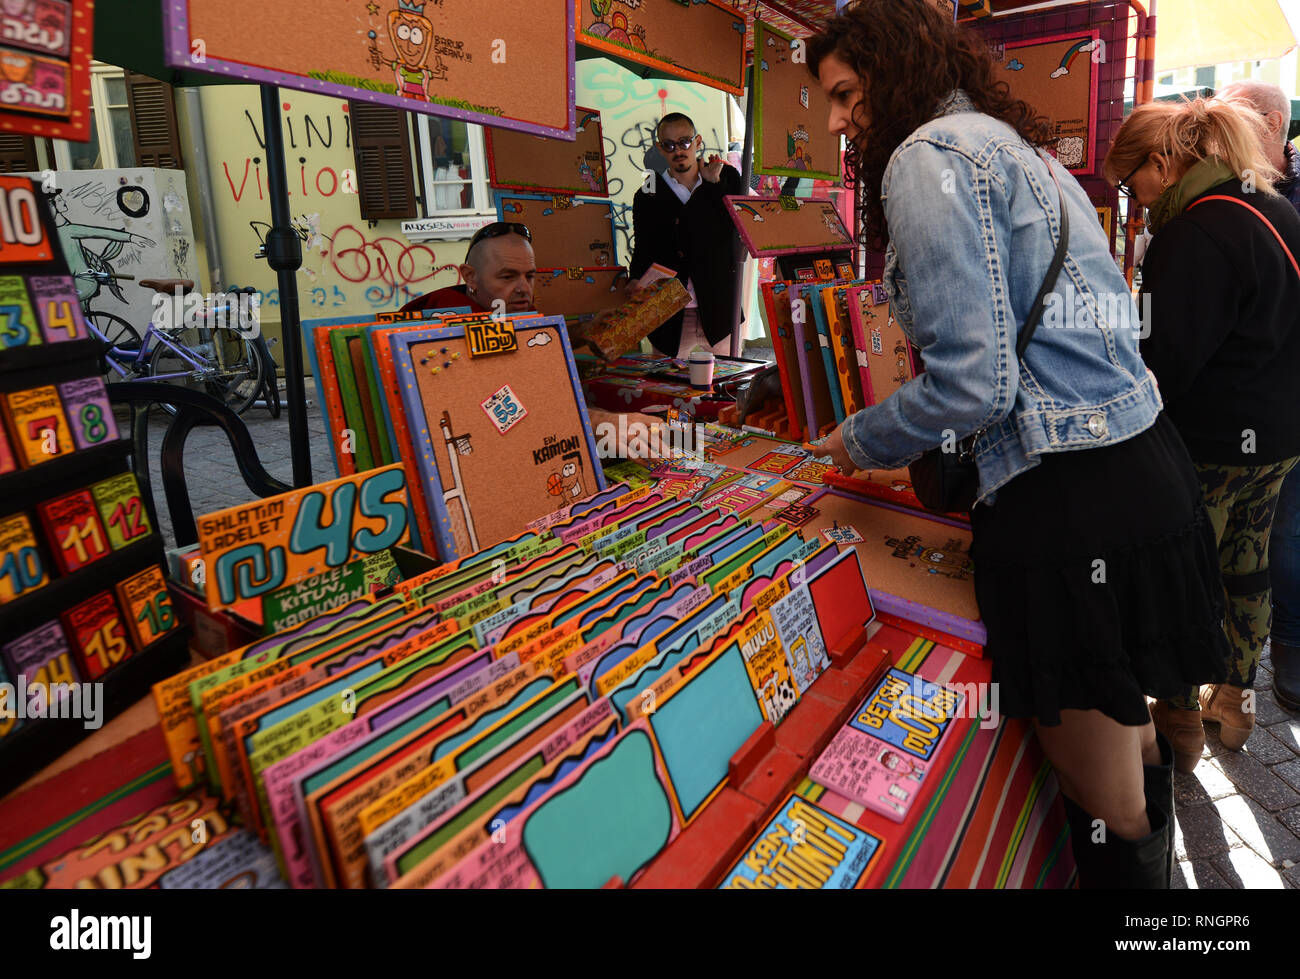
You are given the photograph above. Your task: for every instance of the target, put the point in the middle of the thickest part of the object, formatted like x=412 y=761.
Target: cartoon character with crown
x=411 y=34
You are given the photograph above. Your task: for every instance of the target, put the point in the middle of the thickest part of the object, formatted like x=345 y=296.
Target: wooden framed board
x=45 y=86
x=840 y=326
x=512 y=70
x=467 y=436
x=568 y=232
x=819 y=408
x=579 y=292
x=701 y=41
x=522 y=161
x=776 y=303
x=1057 y=76
x=790 y=134
x=918 y=565
x=884 y=357
x=787 y=225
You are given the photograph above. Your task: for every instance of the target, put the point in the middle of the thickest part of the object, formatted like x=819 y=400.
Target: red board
x=73 y=532
x=97 y=635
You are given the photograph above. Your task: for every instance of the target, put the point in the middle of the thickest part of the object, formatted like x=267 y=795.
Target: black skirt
x=1097 y=577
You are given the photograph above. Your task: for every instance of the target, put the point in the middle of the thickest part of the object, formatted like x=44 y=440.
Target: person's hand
x=629 y=435
x=712 y=170
x=834 y=447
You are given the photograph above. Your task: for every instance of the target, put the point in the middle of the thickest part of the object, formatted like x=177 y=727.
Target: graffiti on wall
x=133 y=222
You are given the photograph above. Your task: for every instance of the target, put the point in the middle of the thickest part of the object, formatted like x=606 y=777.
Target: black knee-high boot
x=1117 y=863
x=1158 y=786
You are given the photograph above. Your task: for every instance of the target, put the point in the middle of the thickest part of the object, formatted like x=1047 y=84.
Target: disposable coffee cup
x=701 y=362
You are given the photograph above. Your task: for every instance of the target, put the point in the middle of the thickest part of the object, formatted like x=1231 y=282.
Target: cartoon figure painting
x=411 y=34
x=796 y=146
x=567 y=483
x=82 y=258
x=617 y=30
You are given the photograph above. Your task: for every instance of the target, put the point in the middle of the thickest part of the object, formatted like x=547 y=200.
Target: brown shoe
x=1225 y=705
x=1184 y=731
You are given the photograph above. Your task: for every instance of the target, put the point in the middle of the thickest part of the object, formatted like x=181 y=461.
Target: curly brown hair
x=909 y=56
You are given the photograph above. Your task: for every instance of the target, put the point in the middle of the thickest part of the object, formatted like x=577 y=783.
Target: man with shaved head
x=1284 y=543
x=499 y=270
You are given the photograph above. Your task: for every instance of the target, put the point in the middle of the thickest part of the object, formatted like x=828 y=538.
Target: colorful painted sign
x=512 y=69
x=263 y=546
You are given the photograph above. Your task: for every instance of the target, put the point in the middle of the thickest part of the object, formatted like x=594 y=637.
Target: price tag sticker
x=98 y=638
x=504 y=409
x=73 y=529
x=491 y=337
x=21 y=567
x=38 y=425
x=796 y=514
x=842 y=535
x=85 y=402
x=57 y=307
x=148 y=606
x=121 y=509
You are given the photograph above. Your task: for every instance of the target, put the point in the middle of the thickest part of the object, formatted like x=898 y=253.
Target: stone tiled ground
x=1238 y=814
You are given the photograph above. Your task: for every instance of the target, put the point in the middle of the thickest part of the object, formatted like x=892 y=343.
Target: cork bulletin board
x=568 y=232
x=790 y=113
x=788 y=226
x=501 y=438
x=1056 y=75
x=578 y=292
x=700 y=41
x=539 y=164
x=513 y=69
x=917 y=566
x=884 y=357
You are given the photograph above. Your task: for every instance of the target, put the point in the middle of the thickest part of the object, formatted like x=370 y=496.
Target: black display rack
x=38 y=742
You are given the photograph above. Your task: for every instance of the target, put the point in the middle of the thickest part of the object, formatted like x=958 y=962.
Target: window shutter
x=380 y=140
x=153 y=122
x=17 y=153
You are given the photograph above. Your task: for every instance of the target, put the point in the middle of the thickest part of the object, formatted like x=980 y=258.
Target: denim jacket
x=973 y=221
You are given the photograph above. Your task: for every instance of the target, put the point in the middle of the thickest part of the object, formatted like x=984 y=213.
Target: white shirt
x=684 y=195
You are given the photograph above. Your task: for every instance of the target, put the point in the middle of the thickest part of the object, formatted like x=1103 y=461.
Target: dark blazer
x=1225 y=328
x=696 y=239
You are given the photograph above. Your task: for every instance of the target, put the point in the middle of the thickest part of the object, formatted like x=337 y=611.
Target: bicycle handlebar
x=103 y=276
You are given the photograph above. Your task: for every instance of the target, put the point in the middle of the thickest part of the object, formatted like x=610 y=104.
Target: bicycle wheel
x=229 y=368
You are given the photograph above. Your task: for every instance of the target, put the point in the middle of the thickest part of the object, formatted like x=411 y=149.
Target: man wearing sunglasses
x=680 y=221
x=498 y=273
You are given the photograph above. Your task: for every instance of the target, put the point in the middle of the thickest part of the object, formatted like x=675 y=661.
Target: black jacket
x=1224 y=337
x=697 y=240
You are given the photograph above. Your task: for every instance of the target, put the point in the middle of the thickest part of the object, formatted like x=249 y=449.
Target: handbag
x=1267 y=223
x=947 y=481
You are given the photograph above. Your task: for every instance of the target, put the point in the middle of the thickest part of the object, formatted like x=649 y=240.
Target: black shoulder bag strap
x=1058 y=262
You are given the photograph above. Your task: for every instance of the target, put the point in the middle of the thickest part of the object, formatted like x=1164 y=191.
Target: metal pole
x=747 y=171
x=283 y=252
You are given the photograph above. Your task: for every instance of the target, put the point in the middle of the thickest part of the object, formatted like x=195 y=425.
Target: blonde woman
x=1224 y=290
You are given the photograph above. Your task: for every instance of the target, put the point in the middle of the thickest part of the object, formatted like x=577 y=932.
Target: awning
x=1199 y=33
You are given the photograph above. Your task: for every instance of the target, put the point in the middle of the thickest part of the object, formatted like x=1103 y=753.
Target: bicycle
x=218 y=361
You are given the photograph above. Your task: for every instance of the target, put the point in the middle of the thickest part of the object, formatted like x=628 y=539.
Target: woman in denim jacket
x=1095 y=566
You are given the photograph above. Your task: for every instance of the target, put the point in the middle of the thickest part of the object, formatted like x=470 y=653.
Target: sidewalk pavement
x=1238 y=815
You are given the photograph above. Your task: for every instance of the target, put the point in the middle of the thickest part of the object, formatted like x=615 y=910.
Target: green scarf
x=1203 y=175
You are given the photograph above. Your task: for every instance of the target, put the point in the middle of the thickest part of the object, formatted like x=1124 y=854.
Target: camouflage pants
x=1241 y=501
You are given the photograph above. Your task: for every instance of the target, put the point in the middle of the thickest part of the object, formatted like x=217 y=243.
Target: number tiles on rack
x=37 y=425
x=17 y=321
x=42 y=656
x=148 y=606
x=85 y=404
x=73 y=530
x=22 y=231
x=97 y=635
x=54 y=298
x=121 y=509
x=21 y=567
